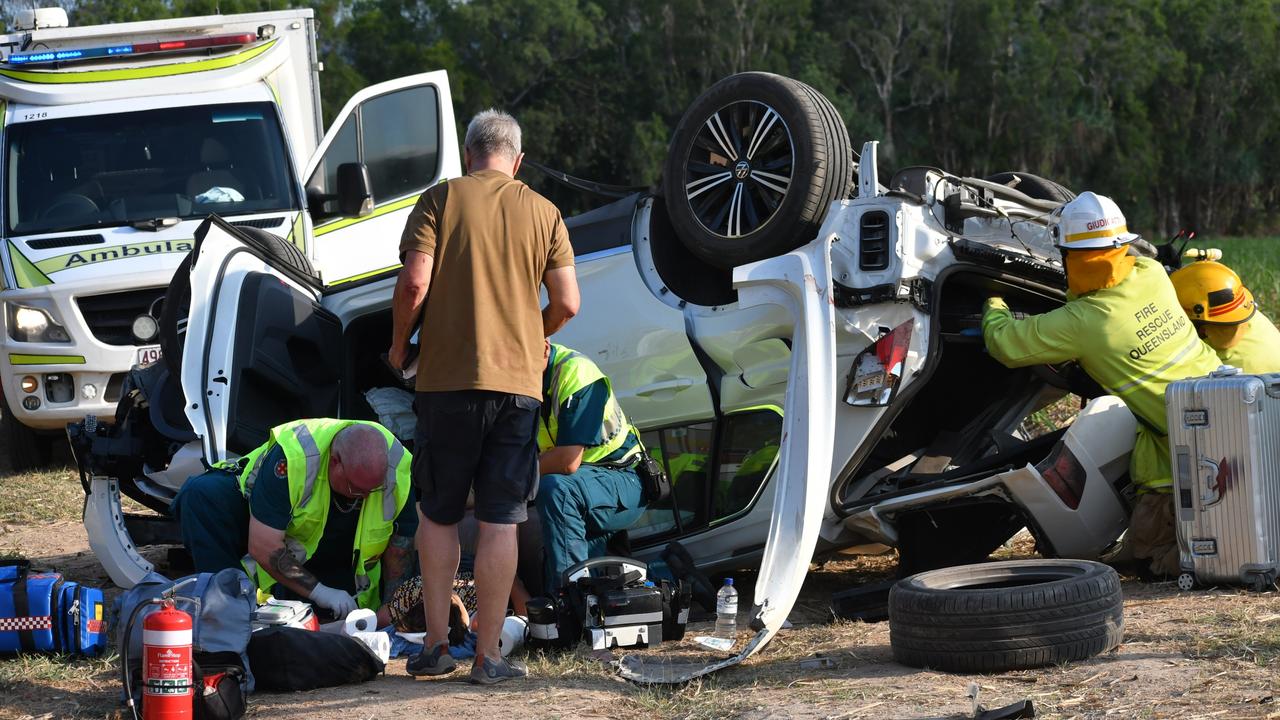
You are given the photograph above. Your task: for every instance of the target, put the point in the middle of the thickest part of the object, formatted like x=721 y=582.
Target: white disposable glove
x=339 y=602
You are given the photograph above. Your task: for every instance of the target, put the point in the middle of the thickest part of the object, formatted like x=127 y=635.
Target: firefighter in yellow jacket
x=1224 y=314
x=1123 y=324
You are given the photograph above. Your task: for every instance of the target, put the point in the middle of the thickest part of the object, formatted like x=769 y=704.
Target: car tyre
x=177 y=299
x=1005 y=615
x=28 y=449
x=753 y=167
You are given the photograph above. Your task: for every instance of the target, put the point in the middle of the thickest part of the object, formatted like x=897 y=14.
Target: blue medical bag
x=42 y=612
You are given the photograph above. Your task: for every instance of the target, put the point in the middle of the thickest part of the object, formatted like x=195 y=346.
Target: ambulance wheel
x=28 y=449
x=753 y=167
x=1005 y=615
x=1186 y=582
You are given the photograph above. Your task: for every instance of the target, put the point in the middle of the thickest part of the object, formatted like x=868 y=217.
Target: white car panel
x=654 y=372
x=799 y=281
x=220 y=265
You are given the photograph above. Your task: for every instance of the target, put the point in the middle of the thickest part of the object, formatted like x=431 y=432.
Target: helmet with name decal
x=1212 y=293
x=1090 y=222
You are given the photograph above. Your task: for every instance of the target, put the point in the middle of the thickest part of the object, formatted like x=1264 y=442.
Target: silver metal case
x=1224 y=441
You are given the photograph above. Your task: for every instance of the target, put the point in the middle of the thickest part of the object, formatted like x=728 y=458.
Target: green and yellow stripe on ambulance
x=30 y=274
x=379 y=211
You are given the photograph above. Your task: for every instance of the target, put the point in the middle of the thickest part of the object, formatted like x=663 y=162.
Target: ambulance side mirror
x=355 y=192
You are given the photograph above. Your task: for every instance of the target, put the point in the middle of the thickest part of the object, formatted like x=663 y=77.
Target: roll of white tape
x=361 y=620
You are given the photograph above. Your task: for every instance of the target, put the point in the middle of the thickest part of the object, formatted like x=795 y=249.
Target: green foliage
x=1170 y=106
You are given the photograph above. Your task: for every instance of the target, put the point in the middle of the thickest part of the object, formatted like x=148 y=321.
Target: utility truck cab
x=118 y=140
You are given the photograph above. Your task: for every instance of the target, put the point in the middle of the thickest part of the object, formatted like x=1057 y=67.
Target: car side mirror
x=355 y=192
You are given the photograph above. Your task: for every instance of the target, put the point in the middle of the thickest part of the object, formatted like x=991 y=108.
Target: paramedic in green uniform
x=587 y=453
x=319 y=512
x=1123 y=324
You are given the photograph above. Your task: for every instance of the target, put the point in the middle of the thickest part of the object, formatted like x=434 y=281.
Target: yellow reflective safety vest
x=306 y=449
x=1133 y=339
x=694 y=463
x=568 y=373
x=1258 y=351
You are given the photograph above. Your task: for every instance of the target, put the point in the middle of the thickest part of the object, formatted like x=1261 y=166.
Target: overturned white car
x=796 y=338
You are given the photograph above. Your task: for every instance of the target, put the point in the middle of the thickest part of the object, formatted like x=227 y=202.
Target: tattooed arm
x=267 y=548
x=397 y=565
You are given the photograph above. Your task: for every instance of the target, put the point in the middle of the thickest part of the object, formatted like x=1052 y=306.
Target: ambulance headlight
x=33 y=324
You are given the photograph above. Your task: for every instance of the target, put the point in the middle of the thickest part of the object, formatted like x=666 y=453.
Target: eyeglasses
x=352 y=492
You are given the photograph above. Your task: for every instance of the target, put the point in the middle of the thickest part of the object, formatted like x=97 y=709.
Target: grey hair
x=493 y=132
x=362 y=448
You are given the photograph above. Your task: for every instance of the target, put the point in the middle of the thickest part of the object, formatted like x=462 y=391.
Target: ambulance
x=118 y=140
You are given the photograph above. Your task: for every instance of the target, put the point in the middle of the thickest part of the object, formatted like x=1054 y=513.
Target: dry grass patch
x=1250 y=633
x=62 y=685
x=42 y=497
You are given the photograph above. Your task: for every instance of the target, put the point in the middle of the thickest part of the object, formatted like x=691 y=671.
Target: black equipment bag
x=285 y=658
x=218 y=679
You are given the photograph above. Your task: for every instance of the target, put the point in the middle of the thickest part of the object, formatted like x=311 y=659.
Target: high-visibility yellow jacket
x=1258 y=351
x=306 y=448
x=571 y=371
x=1133 y=339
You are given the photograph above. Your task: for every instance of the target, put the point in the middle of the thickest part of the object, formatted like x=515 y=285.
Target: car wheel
x=28 y=449
x=1005 y=615
x=1034 y=186
x=177 y=299
x=753 y=167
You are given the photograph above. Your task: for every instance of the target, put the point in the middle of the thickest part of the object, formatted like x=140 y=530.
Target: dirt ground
x=1186 y=655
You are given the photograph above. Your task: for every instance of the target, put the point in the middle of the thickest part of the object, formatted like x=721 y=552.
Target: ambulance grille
x=110 y=316
x=62 y=242
x=261 y=223
x=873 y=241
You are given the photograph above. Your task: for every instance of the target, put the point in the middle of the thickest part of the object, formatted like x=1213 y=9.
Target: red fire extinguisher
x=166 y=664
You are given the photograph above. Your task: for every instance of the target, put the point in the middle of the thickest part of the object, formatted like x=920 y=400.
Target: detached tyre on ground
x=1005 y=615
x=753 y=167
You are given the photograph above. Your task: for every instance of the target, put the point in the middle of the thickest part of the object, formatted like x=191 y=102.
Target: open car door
x=402 y=132
x=259 y=350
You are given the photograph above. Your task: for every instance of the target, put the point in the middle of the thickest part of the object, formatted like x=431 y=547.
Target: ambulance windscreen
x=183 y=162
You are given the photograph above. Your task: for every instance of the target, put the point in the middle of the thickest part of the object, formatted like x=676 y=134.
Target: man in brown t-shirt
x=475 y=251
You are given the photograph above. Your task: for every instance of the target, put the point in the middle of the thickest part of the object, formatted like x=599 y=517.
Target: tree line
x=1168 y=106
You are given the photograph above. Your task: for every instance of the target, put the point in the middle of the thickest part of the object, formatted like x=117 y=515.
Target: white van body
x=120 y=139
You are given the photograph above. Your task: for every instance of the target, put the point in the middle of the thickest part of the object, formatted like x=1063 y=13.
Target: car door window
x=748 y=448
x=345 y=148
x=685 y=452
x=396 y=135
x=400 y=141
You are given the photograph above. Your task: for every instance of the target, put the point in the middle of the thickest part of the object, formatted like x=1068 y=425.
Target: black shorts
x=477 y=438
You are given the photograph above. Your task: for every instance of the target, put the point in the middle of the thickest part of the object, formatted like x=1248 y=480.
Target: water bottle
x=727 y=611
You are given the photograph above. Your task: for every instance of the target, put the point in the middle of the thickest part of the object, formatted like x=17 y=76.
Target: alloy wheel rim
x=739 y=168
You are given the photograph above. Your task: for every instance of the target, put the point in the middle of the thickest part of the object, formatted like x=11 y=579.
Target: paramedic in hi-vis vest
x=587 y=452
x=320 y=512
x=1224 y=314
x=1123 y=325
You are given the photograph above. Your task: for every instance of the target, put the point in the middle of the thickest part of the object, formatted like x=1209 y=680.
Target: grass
x=727 y=694
x=1250 y=633
x=41 y=497
x=62 y=686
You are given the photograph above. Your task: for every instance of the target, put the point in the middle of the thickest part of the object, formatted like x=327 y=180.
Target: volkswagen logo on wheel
x=742 y=170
